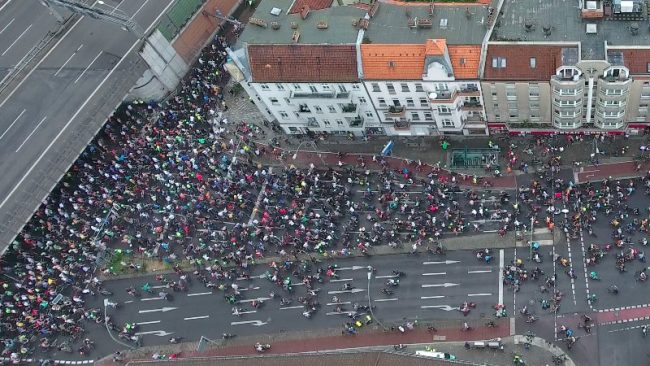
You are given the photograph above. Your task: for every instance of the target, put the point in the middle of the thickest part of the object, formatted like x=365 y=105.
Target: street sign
x=388 y=149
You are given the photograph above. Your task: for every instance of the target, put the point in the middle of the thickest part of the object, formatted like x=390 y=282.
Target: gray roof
x=339 y=20
x=390 y=24
x=563 y=16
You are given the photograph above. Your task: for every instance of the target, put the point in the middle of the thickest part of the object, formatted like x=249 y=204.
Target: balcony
x=313 y=95
x=304 y=108
x=356 y=121
x=342 y=95
x=469 y=91
x=349 y=108
x=443 y=96
x=402 y=125
x=472 y=106
x=394 y=111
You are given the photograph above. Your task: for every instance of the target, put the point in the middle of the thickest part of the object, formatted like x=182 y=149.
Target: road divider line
x=249 y=288
x=447 y=284
x=197 y=317
x=151 y=298
x=199 y=293
x=338 y=303
x=353 y=291
x=480 y=271
x=384 y=300
x=30 y=135
x=292 y=307
x=87 y=67
x=435 y=274
x=13 y=123
x=7 y=26
x=431 y=297
x=480 y=294
x=68 y=60
x=342 y=280
x=386 y=276
x=443 y=262
x=501 y=268
x=346 y=313
x=16 y=40
x=248 y=312
x=151 y=322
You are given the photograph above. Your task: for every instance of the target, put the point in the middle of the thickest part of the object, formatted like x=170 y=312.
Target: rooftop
x=525 y=20
x=326 y=26
x=456 y=24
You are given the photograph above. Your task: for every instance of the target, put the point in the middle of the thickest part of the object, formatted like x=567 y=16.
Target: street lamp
x=106 y=303
x=370 y=300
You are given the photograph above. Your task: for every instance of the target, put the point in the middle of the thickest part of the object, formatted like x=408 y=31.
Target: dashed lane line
x=384 y=300
x=435 y=274
x=199 y=294
x=201 y=317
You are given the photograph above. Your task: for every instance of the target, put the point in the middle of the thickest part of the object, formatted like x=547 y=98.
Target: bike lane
x=615 y=170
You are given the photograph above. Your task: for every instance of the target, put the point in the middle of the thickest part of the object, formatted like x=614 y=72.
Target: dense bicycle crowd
x=177 y=181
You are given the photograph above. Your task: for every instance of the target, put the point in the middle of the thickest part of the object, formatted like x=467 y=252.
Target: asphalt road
x=90 y=66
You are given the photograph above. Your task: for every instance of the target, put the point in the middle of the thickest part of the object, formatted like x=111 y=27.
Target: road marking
x=5 y=4
x=151 y=322
x=161 y=310
x=435 y=274
x=16 y=40
x=292 y=307
x=248 y=288
x=338 y=303
x=431 y=297
x=386 y=276
x=441 y=307
x=444 y=262
x=383 y=300
x=248 y=312
x=501 y=267
x=197 y=317
x=257 y=299
x=151 y=298
x=199 y=294
x=7 y=26
x=80 y=108
x=87 y=67
x=480 y=294
x=342 y=280
x=159 y=333
x=140 y=8
x=353 y=291
x=257 y=323
x=353 y=268
x=128 y=302
x=159 y=286
x=480 y=271
x=68 y=60
x=446 y=284
x=346 y=313
x=30 y=135
x=13 y=123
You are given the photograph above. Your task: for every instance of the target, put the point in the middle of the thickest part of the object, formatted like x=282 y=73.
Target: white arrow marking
x=481 y=294
x=163 y=310
x=353 y=268
x=481 y=271
x=292 y=307
x=257 y=323
x=341 y=280
x=444 y=262
x=382 y=300
x=248 y=312
x=431 y=297
x=353 y=291
x=197 y=317
x=446 y=284
x=160 y=286
x=199 y=294
x=258 y=299
x=151 y=322
x=159 y=333
x=248 y=289
x=246 y=278
x=435 y=274
x=338 y=303
x=151 y=298
x=441 y=307
x=387 y=276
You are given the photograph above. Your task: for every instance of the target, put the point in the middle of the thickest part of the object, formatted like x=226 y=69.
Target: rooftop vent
x=295 y=37
x=321 y=25
x=257 y=21
x=547 y=30
x=431 y=9
x=443 y=23
x=294 y=25
x=592 y=28
x=634 y=28
x=276 y=11
x=275 y=25
x=529 y=26
x=374 y=9
x=304 y=12
x=413 y=22
x=425 y=23
x=391 y=64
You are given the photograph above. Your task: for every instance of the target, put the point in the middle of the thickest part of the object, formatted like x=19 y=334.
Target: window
x=287 y=100
x=355 y=86
x=415 y=116
x=442 y=87
x=313 y=89
x=331 y=108
x=648 y=67
x=533 y=91
x=533 y=62
x=342 y=88
x=447 y=123
x=418 y=87
x=362 y=100
x=512 y=114
x=274 y=101
x=382 y=102
x=511 y=92
x=564 y=91
x=284 y=115
x=326 y=122
x=397 y=103
x=405 y=87
x=293 y=129
x=498 y=62
x=326 y=87
x=339 y=122
x=645 y=92
x=369 y=114
x=424 y=102
x=312 y=122
x=279 y=86
x=409 y=102
x=444 y=110
x=375 y=87
x=318 y=109
x=428 y=116
x=613 y=91
x=297 y=87
x=264 y=87
x=391 y=88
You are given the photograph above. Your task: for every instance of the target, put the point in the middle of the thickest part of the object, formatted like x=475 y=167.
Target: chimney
x=304 y=12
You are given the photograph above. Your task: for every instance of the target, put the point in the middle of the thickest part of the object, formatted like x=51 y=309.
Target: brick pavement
x=615 y=170
x=623 y=314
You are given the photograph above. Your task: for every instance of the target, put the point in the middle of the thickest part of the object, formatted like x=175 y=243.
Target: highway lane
x=43 y=109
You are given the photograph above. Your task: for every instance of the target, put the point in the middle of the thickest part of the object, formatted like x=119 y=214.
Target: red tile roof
x=636 y=60
x=313 y=5
x=393 y=61
x=303 y=63
x=466 y=60
x=547 y=60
